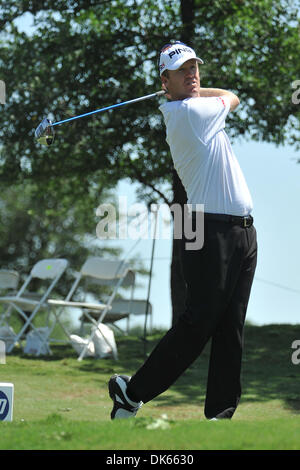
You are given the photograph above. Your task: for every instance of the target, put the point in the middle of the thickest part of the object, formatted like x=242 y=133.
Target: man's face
x=183 y=82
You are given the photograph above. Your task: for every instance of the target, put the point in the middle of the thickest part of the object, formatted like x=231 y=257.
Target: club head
x=44 y=133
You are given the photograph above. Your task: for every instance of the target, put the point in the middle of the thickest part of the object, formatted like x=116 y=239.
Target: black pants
x=219 y=278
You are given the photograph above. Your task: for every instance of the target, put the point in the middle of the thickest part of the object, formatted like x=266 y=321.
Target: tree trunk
x=187 y=13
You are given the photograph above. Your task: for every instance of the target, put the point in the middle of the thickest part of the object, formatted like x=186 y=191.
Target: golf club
x=44 y=133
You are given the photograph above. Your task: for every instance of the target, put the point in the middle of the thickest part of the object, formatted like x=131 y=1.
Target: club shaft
x=146 y=97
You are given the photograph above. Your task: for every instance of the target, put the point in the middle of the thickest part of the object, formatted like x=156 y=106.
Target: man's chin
x=192 y=91
x=187 y=94
x=193 y=94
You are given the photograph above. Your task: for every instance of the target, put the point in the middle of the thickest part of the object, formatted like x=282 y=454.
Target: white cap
x=172 y=56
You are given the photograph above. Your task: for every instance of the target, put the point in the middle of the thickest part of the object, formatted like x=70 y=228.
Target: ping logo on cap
x=172 y=56
x=179 y=51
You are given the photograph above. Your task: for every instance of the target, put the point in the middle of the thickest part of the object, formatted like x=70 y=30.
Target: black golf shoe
x=123 y=406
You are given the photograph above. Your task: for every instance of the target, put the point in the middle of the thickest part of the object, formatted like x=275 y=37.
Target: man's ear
x=164 y=83
x=165 y=88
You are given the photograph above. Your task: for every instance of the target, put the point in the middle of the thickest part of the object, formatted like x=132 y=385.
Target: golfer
x=219 y=275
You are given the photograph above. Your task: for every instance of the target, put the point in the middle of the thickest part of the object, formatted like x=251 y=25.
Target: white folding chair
x=100 y=271
x=28 y=304
x=128 y=282
x=9 y=279
x=125 y=309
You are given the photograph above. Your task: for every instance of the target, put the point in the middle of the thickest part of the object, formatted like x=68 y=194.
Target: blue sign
x=4 y=406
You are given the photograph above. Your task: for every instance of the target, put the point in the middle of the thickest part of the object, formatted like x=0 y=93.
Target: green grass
x=61 y=403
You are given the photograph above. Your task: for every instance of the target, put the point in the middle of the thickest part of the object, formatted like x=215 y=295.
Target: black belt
x=245 y=222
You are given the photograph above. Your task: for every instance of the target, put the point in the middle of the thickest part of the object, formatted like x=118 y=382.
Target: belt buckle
x=247 y=222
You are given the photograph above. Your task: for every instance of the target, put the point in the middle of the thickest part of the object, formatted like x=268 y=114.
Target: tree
x=36 y=224
x=85 y=53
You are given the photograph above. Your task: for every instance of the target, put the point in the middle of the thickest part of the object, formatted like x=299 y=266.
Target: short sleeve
x=207 y=116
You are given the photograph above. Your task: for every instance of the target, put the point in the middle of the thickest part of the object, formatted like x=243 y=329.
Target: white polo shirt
x=203 y=156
